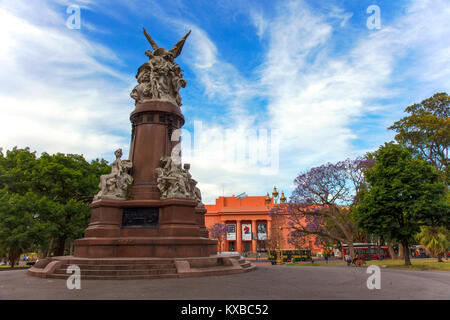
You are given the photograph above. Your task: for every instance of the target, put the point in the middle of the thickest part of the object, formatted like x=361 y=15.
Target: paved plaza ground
x=266 y=282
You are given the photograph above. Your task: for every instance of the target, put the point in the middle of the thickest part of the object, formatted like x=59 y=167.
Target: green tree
x=16 y=170
x=436 y=240
x=426 y=131
x=72 y=182
x=20 y=225
x=69 y=181
x=403 y=194
x=67 y=177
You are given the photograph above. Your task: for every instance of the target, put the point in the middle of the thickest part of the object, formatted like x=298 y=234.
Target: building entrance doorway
x=231 y=246
x=247 y=246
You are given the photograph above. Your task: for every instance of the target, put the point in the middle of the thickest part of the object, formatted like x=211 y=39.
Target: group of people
x=28 y=258
x=351 y=260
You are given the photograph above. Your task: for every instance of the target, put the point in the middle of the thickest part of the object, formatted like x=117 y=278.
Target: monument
x=148 y=217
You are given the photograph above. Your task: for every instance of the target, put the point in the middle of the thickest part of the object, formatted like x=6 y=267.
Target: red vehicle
x=368 y=251
x=418 y=251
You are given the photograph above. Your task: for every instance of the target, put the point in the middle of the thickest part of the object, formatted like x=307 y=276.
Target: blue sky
x=310 y=74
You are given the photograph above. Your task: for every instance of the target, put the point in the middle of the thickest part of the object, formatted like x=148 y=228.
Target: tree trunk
x=41 y=253
x=70 y=247
x=341 y=249
x=13 y=256
x=61 y=247
x=439 y=256
x=391 y=250
x=12 y=262
x=405 y=246
x=400 y=251
x=50 y=247
x=351 y=250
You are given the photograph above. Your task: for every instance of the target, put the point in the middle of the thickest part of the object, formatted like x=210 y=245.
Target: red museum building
x=246 y=220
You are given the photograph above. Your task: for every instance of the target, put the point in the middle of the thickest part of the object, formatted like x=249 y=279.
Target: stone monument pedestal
x=124 y=229
x=148 y=219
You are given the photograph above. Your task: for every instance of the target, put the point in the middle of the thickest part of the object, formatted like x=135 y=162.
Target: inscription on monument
x=140 y=217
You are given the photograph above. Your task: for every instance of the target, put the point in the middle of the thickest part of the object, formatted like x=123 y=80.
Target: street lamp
x=268 y=200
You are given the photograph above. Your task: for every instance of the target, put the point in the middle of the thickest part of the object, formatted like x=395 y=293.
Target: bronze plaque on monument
x=140 y=217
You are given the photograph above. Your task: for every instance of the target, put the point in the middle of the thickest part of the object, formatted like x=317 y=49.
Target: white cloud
x=60 y=92
x=340 y=14
x=222 y=82
x=315 y=98
x=55 y=95
x=259 y=21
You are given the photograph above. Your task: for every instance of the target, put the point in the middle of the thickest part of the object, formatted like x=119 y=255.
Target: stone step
x=210 y=271
x=122 y=266
x=140 y=268
x=127 y=274
x=244 y=263
x=110 y=272
x=216 y=271
x=118 y=261
x=249 y=268
x=115 y=277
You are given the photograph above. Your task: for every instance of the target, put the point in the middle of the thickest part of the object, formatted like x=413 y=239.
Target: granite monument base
x=145 y=228
x=144 y=239
x=141 y=268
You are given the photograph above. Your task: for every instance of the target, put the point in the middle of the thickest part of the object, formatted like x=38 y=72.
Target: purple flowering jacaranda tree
x=320 y=204
x=219 y=232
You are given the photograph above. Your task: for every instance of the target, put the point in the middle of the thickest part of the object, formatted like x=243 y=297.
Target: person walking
x=356 y=258
x=347 y=259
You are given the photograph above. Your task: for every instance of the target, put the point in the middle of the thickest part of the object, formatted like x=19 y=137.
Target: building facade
x=249 y=224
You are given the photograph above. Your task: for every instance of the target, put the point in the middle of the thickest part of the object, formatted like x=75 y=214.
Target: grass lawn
x=314 y=264
x=417 y=264
x=16 y=267
x=317 y=264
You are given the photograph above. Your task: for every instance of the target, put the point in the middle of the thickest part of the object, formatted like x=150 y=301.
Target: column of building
x=238 y=236
x=255 y=232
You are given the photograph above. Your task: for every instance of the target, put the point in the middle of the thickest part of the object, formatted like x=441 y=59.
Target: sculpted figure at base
x=176 y=182
x=161 y=78
x=115 y=185
x=192 y=184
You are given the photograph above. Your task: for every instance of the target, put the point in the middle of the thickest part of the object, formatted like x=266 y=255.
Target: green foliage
x=66 y=177
x=54 y=190
x=16 y=170
x=426 y=131
x=20 y=223
x=436 y=240
x=404 y=193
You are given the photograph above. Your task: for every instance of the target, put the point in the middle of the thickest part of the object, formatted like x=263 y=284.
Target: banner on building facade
x=231 y=232
x=246 y=232
x=262 y=231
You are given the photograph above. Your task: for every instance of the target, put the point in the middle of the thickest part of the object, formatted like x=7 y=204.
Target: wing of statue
x=153 y=43
x=176 y=50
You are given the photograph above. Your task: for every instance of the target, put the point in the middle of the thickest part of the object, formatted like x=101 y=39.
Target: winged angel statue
x=161 y=78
